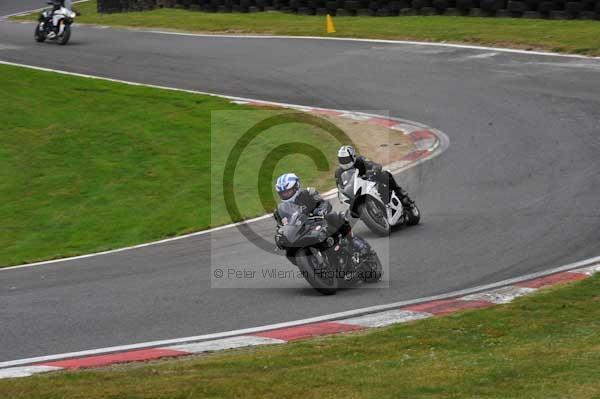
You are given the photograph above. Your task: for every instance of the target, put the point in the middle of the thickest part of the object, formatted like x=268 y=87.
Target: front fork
x=61 y=27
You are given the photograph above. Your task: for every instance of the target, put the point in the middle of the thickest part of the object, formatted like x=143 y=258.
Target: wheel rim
x=376 y=213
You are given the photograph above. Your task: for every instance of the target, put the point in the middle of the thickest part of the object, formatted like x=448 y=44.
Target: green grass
x=88 y=165
x=581 y=37
x=543 y=346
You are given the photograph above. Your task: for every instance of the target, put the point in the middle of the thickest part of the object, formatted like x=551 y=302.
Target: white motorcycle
x=55 y=24
x=364 y=200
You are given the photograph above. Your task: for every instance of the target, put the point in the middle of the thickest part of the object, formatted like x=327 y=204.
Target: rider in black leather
x=372 y=171
x=56 y=5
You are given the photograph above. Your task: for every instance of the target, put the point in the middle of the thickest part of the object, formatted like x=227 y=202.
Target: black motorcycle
x=55 y=24
x=327 y=259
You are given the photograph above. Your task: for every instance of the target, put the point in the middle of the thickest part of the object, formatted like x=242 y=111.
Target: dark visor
x=345 y=160
x=287 y=194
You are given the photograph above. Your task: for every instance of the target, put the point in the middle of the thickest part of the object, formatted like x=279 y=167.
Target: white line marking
x=344 y=39
x=225 y=343
x=500 y=295
x=482 y=55
x=26 y=371
x=588 y=270
x=329 y=317
x=386 y=318
x=241 y=100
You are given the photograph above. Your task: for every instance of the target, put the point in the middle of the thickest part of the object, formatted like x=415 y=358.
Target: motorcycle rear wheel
x=307 y=263
x=374 y=215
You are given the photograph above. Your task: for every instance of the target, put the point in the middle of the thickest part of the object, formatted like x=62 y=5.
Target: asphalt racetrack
x=516 y=192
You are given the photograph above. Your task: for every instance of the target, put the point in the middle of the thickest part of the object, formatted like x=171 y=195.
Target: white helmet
x=346 y=156
x=288 y=186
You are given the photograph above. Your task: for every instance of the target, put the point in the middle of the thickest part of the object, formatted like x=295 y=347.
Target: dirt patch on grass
x=378 y=143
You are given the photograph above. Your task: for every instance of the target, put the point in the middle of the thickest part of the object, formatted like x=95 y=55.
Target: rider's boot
x=406 y=201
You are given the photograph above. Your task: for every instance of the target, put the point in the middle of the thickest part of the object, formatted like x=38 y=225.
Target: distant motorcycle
x=55 y=24
x=362 y=196
x=326 y=259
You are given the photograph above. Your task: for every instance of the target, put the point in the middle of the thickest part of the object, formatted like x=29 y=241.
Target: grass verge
x=579 y=37
x=546 y=345
x=89 y=165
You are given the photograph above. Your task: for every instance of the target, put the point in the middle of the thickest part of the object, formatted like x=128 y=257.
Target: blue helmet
x=288 y=186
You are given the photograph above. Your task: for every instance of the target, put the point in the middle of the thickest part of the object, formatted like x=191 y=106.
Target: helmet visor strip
x=346 y=160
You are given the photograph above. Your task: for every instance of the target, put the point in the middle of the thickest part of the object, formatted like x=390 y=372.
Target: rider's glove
x=320 y=212
x=371 y=175
x=278 y=241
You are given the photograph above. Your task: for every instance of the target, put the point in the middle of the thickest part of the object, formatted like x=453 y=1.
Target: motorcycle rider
x=289 y=190
x=57 y=5
x=370 y=170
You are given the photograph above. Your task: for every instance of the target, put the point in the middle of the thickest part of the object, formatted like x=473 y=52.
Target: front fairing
x=298 y=230
x=346 y=187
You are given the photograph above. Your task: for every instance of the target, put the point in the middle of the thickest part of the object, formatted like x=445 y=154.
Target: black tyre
x=417 y=4
x=39 y=35
x=365 y=12
x=532 y=5
x=323 y=280
x=352 y=5
x=440 y=5
x=374 y=271
x=464 y=5
x=490 y=5
x=517 y=6
x=66 y=35
x=573 y=8
x=374 y=215
x=385 y=12
x=545 y=7
x=413 y=215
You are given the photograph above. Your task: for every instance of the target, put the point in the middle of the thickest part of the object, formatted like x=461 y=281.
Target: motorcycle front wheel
x=66 y=35
x=374 y=270
x=413 y=215
x=316 y=273
x=39 y=36
x=374 y=214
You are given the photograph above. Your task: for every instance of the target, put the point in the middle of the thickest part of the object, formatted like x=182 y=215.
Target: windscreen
x=291 y=213
x=347 y=182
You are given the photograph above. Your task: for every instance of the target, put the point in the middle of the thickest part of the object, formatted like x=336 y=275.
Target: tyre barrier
x=535 y=9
